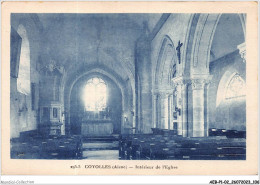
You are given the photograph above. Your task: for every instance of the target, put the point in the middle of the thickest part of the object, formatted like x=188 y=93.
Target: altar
x=97 y=128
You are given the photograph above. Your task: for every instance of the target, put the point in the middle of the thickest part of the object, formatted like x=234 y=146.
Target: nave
x=160 y=145
x=100 y=148
x=128 y=86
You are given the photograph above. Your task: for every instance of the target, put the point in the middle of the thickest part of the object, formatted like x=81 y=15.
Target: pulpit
x=50 y=118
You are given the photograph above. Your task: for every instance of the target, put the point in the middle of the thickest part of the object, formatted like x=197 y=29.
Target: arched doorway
x=95 y=106
x=163 y=90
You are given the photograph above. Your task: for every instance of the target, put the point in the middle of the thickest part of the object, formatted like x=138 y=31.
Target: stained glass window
x=95 y=95
x=236 y=87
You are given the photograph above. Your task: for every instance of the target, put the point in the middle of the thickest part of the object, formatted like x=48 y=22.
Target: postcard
x=129 y=88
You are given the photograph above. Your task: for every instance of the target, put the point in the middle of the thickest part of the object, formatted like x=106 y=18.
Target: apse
x=95 y=99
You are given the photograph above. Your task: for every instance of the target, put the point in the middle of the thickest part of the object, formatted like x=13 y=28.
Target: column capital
x=180 y=80
x=242 y=51
x=155 y=96
x=199 y=83
x=165 y=94
x=162 y=91
x=154 y=93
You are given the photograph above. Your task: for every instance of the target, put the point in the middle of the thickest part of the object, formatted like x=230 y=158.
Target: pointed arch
x=166 y=64
x=201 y=34
x=202 y=30
x=127 y=106
x=236 y=87
x=227 y=81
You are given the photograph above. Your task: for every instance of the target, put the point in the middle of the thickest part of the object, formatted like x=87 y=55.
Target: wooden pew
x=202 y=150
x=173 y=147
x=129 y=143
x=52 y=148
x=227 y=133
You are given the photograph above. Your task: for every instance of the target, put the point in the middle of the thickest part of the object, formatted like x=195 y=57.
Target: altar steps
x=100 y=155
x=100 y=147
x=110 y=138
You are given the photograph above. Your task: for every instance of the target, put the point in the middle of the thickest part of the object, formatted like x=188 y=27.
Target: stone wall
x=225 y=114
x=24 y=116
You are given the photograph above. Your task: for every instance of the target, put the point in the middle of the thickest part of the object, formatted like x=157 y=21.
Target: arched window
x=23 y=80
x=236 y=87
x=95 y=95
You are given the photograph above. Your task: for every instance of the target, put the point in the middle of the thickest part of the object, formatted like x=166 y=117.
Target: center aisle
x=100 y=148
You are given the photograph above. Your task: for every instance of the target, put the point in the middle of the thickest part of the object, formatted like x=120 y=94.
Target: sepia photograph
x=130 y=90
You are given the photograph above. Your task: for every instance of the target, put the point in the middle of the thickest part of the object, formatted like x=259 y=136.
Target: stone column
x=171 y=109
x=164 y=110
x=62 y=120
x=181 y=95
x=158 y=111
x=179 y=107
x=155 y=108
x=184 y=110
x=143 y=81
x=197 y=86
x=206 y=100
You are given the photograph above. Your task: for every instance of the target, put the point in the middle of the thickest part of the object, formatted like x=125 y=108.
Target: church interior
x=128 y=86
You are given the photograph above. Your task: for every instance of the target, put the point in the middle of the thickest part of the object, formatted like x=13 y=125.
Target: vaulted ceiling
x=228 y=35
x=107 y=39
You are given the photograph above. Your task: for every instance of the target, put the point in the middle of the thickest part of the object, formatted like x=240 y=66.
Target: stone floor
x=100 y=149
x=101 y=155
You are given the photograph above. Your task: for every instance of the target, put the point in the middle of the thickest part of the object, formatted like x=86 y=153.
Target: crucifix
x=179 y=51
